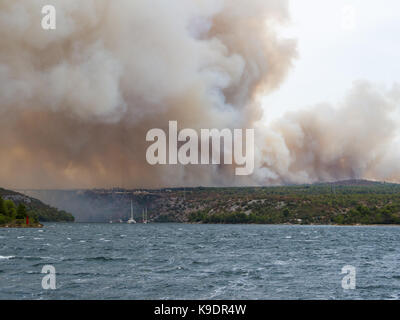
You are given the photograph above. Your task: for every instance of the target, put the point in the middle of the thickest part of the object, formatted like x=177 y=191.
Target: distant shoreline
x=39 y=225
x=245 y=224
x=293 y=224
x=23 y=226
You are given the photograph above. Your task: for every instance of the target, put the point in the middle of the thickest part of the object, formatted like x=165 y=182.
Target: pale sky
x=339 y=41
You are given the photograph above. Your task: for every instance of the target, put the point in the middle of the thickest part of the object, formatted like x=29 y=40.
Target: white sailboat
x=144 y=212
x=131 y=220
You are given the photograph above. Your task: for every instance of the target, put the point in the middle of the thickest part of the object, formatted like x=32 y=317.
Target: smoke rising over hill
x=356 y=139
x=76 y=103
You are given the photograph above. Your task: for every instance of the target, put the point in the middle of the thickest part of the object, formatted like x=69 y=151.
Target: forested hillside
x=15 y=207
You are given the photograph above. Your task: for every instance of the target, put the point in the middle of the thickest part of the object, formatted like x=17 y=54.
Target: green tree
x=3 y=208
x=21 y=211
x=286 y=213
x=10 y=207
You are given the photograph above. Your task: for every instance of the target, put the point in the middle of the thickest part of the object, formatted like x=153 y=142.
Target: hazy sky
x=334 y=51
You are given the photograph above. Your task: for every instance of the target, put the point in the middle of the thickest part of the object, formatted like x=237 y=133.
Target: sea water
x=183 y=261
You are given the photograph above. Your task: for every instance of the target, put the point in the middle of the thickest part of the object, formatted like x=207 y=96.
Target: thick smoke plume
x=357 y=139
x=76 y=102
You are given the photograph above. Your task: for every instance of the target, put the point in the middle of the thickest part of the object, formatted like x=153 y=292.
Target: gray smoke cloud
x=357 y=139
x=76 y=102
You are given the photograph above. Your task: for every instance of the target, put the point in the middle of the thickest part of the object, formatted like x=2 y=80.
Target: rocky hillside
x=348 y=202
x=37 y=208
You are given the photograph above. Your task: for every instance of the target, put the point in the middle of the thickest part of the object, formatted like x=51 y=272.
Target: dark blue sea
x=179 y=261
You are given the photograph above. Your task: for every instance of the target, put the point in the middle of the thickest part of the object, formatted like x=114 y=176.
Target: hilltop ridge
x=15 y=206
x=356 y=182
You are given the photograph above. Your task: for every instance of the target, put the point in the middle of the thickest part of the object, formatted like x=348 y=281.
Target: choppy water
x=176 y=261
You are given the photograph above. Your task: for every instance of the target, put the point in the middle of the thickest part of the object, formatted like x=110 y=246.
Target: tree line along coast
x=20 y=211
